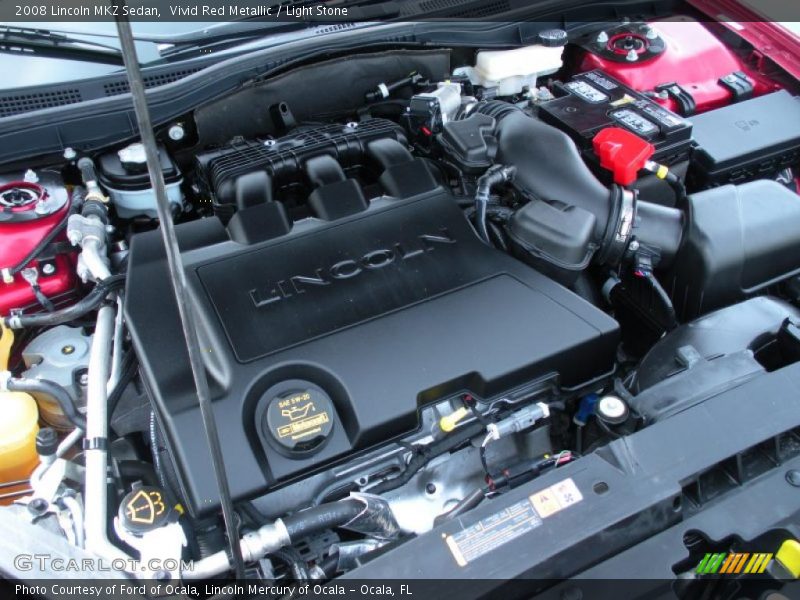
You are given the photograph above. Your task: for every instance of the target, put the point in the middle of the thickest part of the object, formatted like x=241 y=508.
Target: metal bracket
x=737 y=84
x=685 y=101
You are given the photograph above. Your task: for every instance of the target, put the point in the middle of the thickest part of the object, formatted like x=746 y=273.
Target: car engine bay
x=423 y=280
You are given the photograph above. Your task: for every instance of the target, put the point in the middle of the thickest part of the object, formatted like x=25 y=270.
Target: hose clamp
x=95 y=443
x=620 y=227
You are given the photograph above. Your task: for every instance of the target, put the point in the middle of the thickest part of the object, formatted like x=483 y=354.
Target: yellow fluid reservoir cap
x=789 y=556
x=18 y=429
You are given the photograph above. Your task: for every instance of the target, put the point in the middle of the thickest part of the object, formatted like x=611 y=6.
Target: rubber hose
x=43 y=243
x=130 y=367
x=322 y=517
x=292 y=559
x=247 y=510
x=466 y=504
x=88 y=303
x=77 y=202
x=53 y=391
x=494 y=176
x=427 y=453
x=136 y=469
x=330 y=565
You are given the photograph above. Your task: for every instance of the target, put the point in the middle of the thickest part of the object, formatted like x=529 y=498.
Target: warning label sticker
x=511 y=522
x=491 y=532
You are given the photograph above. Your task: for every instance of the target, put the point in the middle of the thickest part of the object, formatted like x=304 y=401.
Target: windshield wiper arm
x=43 y=42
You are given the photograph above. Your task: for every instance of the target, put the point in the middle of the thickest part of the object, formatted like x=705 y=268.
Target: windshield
x=182 y=32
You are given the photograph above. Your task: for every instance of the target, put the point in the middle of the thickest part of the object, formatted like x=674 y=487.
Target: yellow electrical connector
x=789 y=556
x=448 y=423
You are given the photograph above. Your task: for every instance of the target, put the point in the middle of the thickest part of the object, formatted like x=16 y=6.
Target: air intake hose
x=549 y=168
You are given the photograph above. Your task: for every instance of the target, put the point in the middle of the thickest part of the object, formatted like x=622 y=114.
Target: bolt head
x=793 y=477
x=83 y=380
x=48 y=268
x=70 y=154
x=31 y=176
x=651 y=33
x=176 y=133
x=38 y=506
x=632 y=56
x=634 y=246
x=602 y=37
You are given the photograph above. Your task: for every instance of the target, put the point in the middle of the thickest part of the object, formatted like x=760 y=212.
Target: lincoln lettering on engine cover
x=348 y=268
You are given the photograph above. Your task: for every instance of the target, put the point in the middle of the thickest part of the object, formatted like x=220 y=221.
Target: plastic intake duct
x=549 y=166
x=573 y=218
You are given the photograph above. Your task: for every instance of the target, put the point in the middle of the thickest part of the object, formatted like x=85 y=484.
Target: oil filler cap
x=300 y=420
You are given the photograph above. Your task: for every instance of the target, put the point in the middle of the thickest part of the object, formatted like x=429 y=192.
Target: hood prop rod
x=178 y=278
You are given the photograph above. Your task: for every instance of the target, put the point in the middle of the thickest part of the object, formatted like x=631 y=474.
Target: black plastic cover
x=336 y=200
x=711 y=354
x=749 y=325
x=259 y=223
x=750 y=139
x=555 y=238
x=384 y=311
x=470 y=142
x=738 y=241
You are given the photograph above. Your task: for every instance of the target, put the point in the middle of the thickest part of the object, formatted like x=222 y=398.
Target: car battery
x=592 y=101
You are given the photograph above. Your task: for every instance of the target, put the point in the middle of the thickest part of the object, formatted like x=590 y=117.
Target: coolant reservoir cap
x=300 y=420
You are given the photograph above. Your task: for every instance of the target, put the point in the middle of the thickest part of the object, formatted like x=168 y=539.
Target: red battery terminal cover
x=622 y=152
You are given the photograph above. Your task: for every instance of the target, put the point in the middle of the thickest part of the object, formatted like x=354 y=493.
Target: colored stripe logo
x=734 y=563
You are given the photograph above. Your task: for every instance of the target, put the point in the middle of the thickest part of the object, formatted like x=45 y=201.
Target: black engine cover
x=367 y=319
